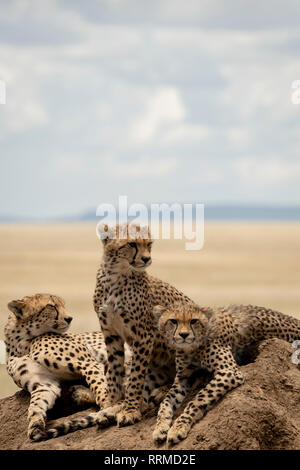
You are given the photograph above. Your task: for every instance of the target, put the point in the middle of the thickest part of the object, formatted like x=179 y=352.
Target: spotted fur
x=124 y=299
x=211 y=339
x=41 y=355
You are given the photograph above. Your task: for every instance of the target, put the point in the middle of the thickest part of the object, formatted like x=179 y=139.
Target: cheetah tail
x=70 y=425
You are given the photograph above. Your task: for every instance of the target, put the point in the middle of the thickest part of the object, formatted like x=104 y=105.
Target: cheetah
x=124 y=298
x=40 y=355
x=211 y=339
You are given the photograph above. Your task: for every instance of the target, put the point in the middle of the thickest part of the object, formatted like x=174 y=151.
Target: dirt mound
x=264 y=413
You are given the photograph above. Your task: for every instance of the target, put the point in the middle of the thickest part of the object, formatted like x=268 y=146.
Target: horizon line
x=211 y=212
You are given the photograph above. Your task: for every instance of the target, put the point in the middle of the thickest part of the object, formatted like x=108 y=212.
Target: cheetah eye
x=132 y=244
x=193 y=321
x=173 y=321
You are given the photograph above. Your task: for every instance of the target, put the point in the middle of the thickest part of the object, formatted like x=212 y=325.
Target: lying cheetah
x=40 y=355
x=212 y=339
x=124 y=299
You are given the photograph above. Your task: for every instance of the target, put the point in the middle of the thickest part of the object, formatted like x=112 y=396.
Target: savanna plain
x=240 y=262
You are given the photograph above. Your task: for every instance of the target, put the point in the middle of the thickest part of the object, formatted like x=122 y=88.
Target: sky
x=162 y=101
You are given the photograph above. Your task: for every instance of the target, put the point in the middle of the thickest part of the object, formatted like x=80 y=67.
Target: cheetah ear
x=105 y=236
x=105 y=233
x=158 y=310
x=16 y=306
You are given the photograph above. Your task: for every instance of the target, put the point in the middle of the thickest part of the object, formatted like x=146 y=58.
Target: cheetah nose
x=146 y=259
x=183 y=335
x=68 y=319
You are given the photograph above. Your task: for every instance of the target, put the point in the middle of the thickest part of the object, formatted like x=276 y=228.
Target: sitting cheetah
x=207 y=338
x=124 y=299
x=40 y=355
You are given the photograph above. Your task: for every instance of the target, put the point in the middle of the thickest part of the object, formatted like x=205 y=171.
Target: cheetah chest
x=128 y=305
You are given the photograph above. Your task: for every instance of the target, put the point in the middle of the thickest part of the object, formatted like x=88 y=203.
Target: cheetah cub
x=40 y=355
x=124 y=298
x=211 y=339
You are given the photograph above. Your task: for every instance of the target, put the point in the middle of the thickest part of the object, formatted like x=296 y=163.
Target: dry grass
x=240 y=263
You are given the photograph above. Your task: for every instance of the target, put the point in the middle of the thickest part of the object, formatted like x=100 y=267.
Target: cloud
x=112 y=167
x=267 y=171
x=164 y=107
x=210 y=14
x=23 y=111
x=183 y=101
x=144 y=167
x=34 y=23
x=238 y=136
x=185 y=134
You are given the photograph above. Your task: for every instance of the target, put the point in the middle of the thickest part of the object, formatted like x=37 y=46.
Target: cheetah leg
x=43 y=388
x=131 y=407
x=115 y=376
x=172 y=401
x=96 y=380
x=155 y=388
x=174 y=398
x=43 y=397
x=129 y=411
x=223 y=381
x=115 y=369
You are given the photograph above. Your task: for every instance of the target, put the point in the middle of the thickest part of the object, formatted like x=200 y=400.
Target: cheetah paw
x=126 y=418
x=81 y=395
x=177 y=433
x=37 y=434
x=36 y=430
x=160 y=433
x=108 y=416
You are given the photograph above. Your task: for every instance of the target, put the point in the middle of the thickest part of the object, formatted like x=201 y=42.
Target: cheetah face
x=183 y=326
x=137 y=253
x=41 y=313
x=130 y=253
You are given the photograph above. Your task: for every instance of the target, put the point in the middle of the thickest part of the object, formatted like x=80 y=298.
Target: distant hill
x=216 y=212
x=251 y=213
x=212 y=212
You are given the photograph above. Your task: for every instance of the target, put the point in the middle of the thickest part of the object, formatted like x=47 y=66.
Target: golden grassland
x=241 y=262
